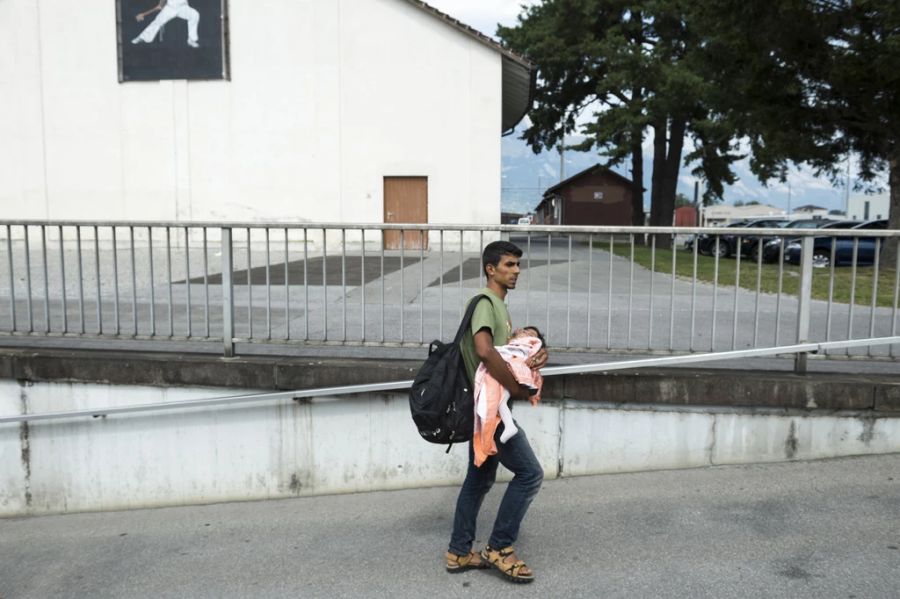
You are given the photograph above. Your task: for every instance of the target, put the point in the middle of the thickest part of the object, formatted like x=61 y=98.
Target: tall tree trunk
x=889 y=256
x=670 y=175
x=667 y=147
x=637 y=180
x=659 y=161
x=637 y=165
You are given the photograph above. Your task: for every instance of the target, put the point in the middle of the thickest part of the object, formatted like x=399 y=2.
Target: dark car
x=843 y=248
x=772 y=245
x=706 y=244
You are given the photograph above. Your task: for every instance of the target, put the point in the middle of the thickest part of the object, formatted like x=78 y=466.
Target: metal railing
x=331 y=392
x=202 y=286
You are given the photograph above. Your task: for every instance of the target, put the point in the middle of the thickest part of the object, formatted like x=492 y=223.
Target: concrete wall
x=336 y=445
x=326 y=98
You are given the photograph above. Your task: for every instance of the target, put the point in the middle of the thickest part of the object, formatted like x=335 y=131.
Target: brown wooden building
x=595 y=196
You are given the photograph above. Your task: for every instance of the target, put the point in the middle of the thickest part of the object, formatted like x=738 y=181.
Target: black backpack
x=441 y=398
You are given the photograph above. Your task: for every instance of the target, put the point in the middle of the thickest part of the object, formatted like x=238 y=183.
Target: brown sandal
x=515 y=571
x=461 y=563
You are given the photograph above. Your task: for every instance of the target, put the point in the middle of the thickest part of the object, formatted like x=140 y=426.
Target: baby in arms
x=492 y=399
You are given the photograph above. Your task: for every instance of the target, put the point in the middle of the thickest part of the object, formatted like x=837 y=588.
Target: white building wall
x=879 y=206
x=326 y=98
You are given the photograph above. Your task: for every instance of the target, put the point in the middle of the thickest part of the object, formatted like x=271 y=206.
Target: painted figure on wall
x=172 y=39
x=168 y=10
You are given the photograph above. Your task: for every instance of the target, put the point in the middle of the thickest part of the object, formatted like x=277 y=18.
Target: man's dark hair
x=495 y=250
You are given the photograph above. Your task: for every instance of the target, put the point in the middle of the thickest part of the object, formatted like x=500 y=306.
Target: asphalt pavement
x=803 y=529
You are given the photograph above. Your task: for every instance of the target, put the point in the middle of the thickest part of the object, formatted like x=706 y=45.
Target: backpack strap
x=467 y=318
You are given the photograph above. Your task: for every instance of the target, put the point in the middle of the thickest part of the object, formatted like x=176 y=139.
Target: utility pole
x=562 y=151
x=562 y=160
x=696 y=203
x=789 y=199
x=847 y=190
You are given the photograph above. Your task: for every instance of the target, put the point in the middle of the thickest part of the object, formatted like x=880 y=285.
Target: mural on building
x=171 y=39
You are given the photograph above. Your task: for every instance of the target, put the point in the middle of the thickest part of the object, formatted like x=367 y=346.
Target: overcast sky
x=483 y=15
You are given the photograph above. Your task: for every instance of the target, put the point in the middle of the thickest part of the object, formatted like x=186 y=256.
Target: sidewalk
x=803 y=529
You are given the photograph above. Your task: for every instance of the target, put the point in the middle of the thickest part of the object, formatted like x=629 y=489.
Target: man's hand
x=539 y=360
x=139 y=17
x=519 y=392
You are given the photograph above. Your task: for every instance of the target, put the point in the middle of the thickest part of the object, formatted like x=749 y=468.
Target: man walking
x=490 y=327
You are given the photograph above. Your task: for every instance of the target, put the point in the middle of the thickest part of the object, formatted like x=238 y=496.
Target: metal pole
x=227 y=294
x=737 y=289
x=115 y=257
x=249 y=288
x=97 y=272
x=343 y=284
x=205 y=282
x=693 y=293
x=12 y=277
x=28 y=280
x=569 y=290
x=62 y=282
x=152 y=292
x=422 y=239
x=268 y=287
x=287 y=289
x=609 y=294
x=672 y=298
x=169 y=279
x=46 y=280
x=80 y=279
x=187 y=277
x=650 y=309
x=134 y=314
x=362 y=286
x=324 y=284
x=305 y=286
x=405 y=384
x=804 y=298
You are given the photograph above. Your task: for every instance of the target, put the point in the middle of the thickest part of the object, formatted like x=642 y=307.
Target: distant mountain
x=527 y=175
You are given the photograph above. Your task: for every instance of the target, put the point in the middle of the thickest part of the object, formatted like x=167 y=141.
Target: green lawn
x=768 y=278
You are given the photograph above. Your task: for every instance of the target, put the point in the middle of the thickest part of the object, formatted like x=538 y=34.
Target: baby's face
x=519 y=333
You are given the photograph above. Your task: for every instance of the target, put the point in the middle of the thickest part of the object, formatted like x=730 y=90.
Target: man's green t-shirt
x=491 y=315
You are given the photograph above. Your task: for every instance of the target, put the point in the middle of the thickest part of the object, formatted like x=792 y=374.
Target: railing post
x=804 y=298
x=227 y=294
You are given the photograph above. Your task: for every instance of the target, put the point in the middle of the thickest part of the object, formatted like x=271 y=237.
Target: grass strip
x=843 y=275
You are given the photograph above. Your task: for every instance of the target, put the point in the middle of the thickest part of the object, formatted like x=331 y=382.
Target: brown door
x=405 y=201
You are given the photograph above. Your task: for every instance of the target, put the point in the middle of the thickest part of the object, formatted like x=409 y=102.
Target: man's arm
x=484 y=349
x=140 y=16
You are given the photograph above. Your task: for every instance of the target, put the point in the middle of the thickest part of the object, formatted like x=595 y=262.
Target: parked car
x=843 y=248
x=772 y=245
x=727 y=246
x=706 y=243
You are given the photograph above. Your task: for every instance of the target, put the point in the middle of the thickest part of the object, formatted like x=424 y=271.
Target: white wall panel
x=326 y=98
x=336 y=445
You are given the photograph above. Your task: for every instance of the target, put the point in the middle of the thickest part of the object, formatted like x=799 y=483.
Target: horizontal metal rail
x=554 y=229
x=406 y=384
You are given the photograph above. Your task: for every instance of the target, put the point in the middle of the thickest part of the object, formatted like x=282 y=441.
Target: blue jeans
x=515 y=455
